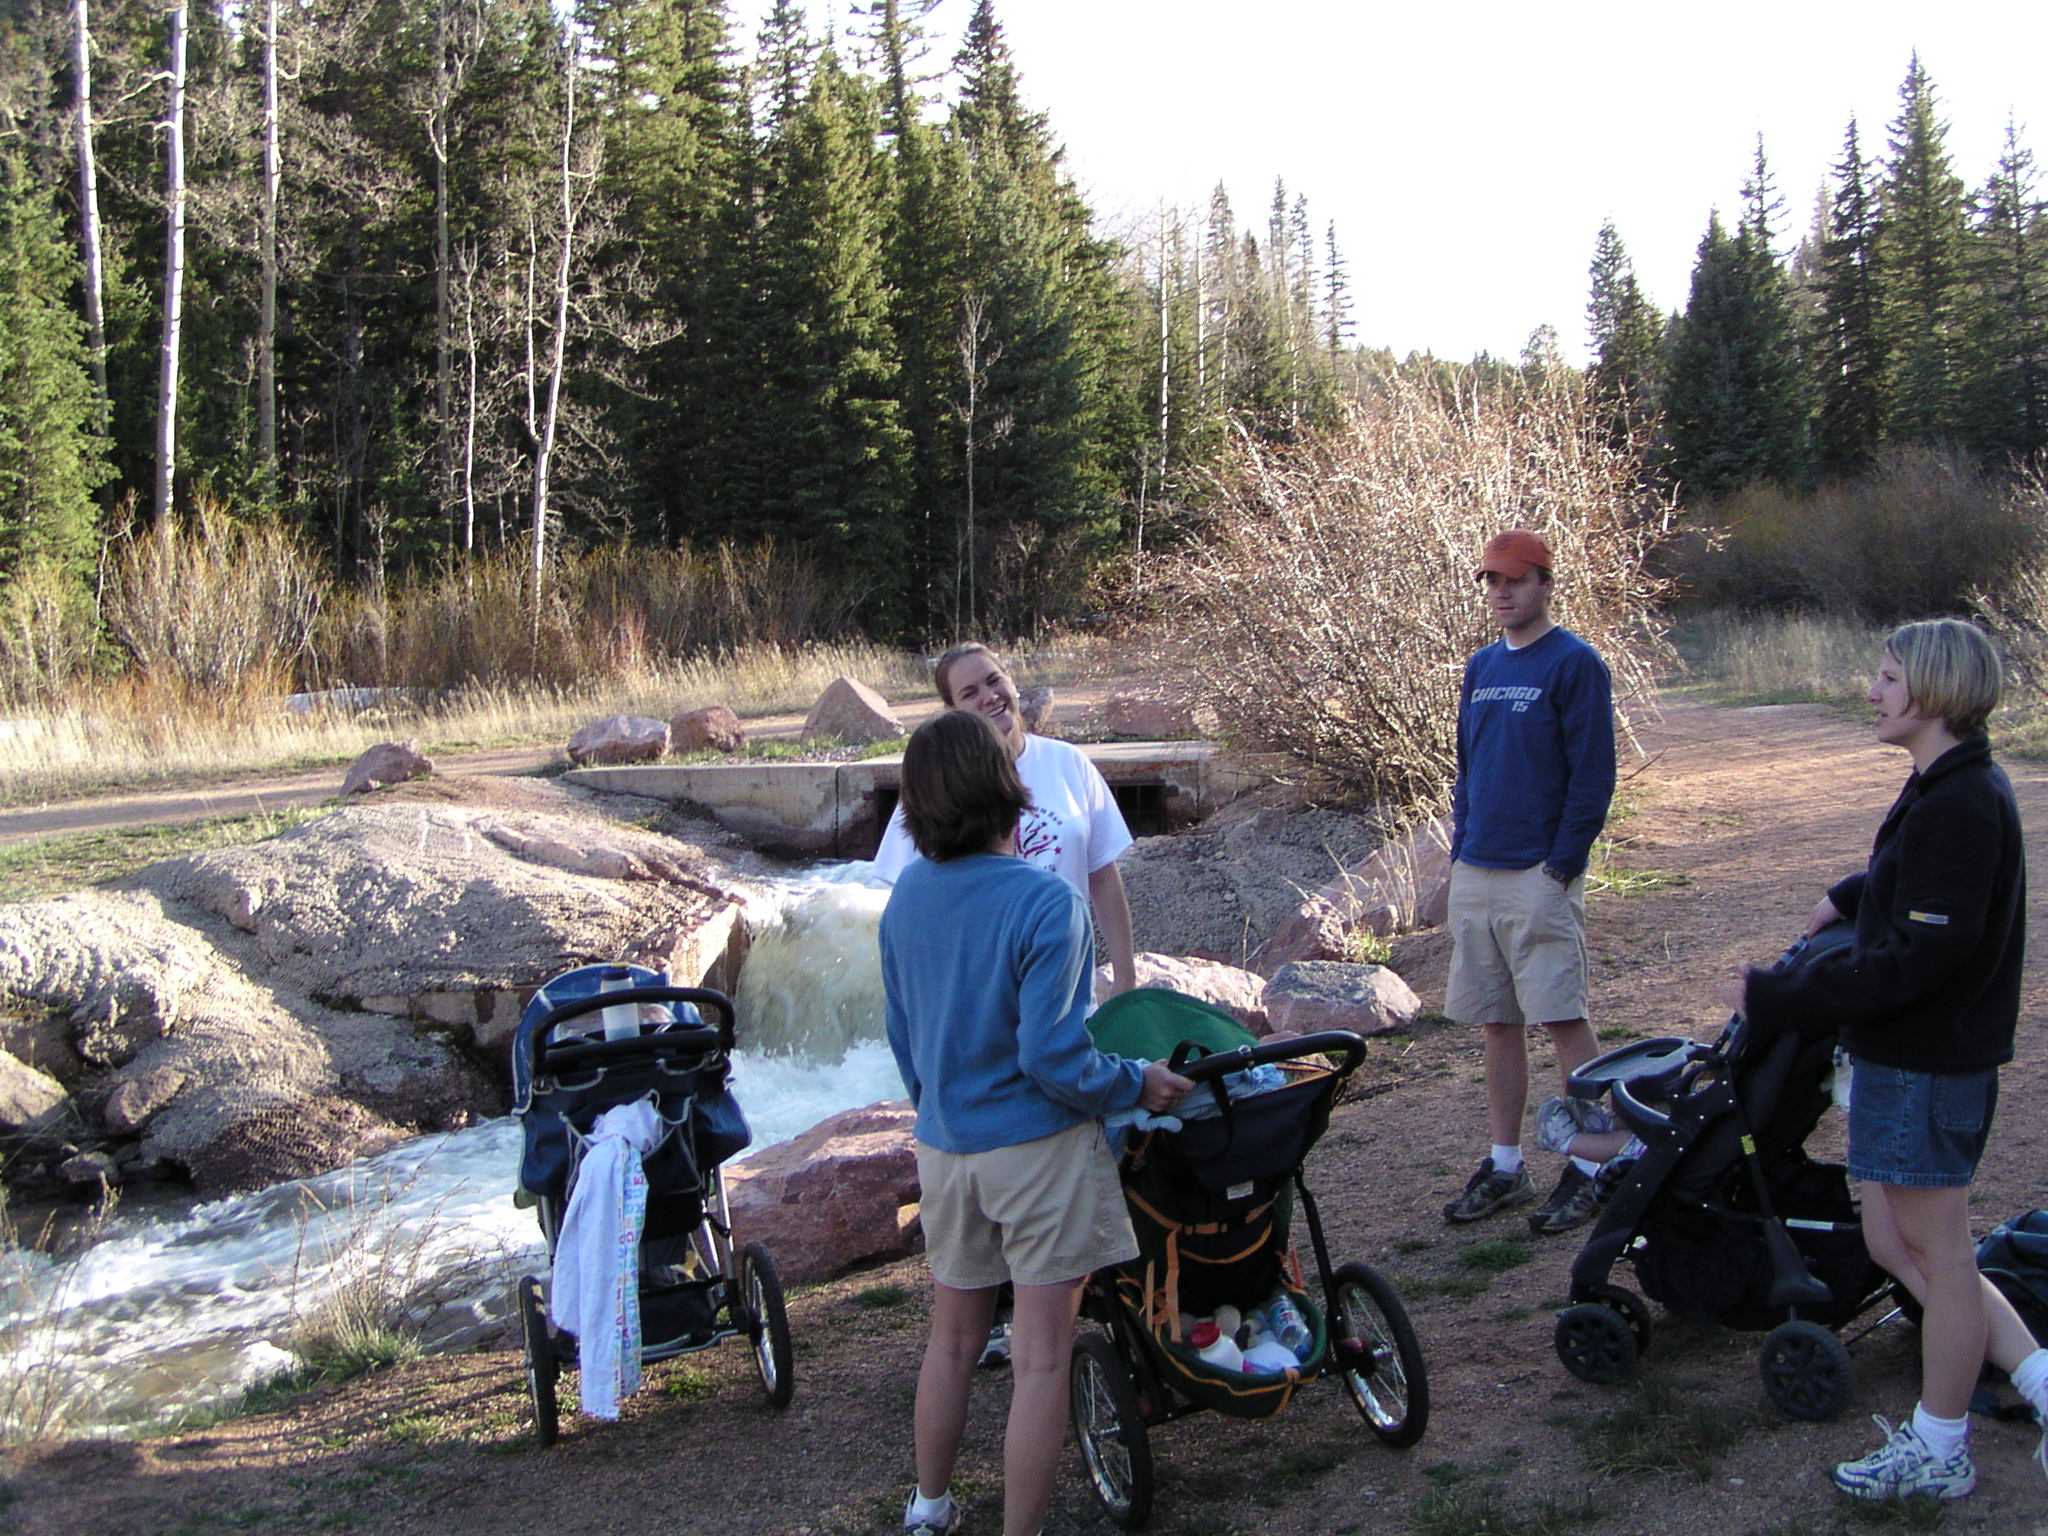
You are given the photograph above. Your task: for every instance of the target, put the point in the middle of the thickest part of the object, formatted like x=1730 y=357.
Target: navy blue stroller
x=601 y=1036
x=1724 y=1218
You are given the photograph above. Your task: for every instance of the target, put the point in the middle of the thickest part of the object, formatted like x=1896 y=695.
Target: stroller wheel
x=1111 y=1430
x=1631 y=1307
x=1375 y=1348
x=1595 y=1343
x=543 y=1366
x=761 y=1285
x=1806 y=1370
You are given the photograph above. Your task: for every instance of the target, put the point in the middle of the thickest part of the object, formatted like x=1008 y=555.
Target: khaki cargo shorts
x=1518 y=947
x=1039 y=1213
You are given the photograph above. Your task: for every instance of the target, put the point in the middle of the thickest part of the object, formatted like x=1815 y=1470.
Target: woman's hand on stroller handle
x=1824 y=916
x=1162 y=1088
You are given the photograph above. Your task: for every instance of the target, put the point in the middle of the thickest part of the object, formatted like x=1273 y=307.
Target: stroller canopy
x=1146 y=1023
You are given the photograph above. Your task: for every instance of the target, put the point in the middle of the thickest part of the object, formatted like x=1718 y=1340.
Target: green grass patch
x=1658 y=1428
x=687 y=1383
x=50 y=866
x=1495 y=1255
x=1614 y=1033
x=1362 y=946
x=1892 y=1515
x=1464 y=1508
x=1457 y=1287
x=887 y=1294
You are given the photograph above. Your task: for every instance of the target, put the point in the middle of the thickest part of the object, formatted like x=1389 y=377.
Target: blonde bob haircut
x=1951 y=671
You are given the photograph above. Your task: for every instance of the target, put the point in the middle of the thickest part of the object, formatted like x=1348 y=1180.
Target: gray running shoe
x=1571 y=1204
x=1487 y=1191
x=1904 y=1466
x=1558 y=1120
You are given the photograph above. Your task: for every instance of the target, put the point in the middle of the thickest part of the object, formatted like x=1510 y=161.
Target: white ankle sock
x=2030 y=1380
x=1944 y=1437
x=1586 y=1165
x=1507 y=1159
x=923 y=1510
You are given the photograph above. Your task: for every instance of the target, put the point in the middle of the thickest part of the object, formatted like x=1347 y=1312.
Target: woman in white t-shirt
x=1073 y=828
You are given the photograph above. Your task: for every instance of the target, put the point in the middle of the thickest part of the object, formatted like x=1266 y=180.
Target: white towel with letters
x=596 y=1291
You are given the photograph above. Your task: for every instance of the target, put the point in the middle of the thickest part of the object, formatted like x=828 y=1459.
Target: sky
x=1468 y=153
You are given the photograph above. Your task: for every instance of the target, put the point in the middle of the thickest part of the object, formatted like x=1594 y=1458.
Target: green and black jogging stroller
x=1213 y=1206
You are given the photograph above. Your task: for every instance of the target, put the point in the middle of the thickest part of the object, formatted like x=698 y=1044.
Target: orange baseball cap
x=1514 y=554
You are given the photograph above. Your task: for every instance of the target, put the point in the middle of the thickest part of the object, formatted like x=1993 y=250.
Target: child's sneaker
x=1904 y=1467
x=935 y=1524
x=1558 y=1120
x=1488 y=1191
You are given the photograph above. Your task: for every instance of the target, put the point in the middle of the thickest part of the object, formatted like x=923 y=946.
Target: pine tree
x=1920 y=264
x=52 y=457
x=1627 y=337
x=1733 y=399
x=2005 y=390
x=1848 y=350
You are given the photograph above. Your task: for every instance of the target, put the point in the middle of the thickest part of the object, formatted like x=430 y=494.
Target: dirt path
x=1755 y=809
x=255 y=794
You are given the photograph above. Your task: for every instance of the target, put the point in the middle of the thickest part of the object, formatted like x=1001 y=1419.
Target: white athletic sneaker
x=1904 y=1467
x=1558 y=1120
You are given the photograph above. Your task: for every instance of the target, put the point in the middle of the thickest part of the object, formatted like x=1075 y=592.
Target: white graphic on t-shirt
x=1039 y=839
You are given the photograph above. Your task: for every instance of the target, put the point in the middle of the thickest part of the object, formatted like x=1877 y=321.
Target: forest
x=423 y=286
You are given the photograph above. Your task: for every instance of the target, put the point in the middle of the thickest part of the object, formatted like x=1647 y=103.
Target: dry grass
x=1329 y=608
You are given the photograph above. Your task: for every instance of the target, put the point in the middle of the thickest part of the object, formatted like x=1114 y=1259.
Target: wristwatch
x=1557 y=874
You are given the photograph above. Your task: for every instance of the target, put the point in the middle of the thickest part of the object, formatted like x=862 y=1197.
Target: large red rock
x=852 y=711
x=844 y=1191
x=1404 y=886
x=388 y=762
x=1154 y=715
x=620 y=739
x=713 y=728
x=1309 y=995
x=1241 y=994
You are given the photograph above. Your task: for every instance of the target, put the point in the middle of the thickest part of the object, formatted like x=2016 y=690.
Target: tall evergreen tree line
x=1913 y=313
x=465 y=272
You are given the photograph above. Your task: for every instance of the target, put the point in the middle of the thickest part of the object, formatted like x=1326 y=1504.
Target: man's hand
x=1734 y=995
x=1823 y=915
x=1162 y=1088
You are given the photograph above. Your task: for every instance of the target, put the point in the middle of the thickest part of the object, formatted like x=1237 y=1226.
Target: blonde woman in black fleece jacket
x=1926 y=999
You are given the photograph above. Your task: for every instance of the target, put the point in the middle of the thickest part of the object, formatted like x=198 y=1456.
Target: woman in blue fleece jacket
x=986 y=976
x=1926 y=999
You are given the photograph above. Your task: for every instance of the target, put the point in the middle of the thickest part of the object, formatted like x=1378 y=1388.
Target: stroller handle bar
x=1349 y=1048
x=680 y=1039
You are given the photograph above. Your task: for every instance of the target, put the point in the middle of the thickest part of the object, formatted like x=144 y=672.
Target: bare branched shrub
x=605 y=613
x=1912 y=537
x=213 y=602
x=1329 y=609
x=48 y=635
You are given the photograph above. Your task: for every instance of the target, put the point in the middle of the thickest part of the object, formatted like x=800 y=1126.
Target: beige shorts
x=1518 y=951
x=1039 y=1213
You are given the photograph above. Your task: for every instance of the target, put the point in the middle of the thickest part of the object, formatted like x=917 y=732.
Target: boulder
x=389 y=762
x=1154 y=715
x=1405 y=885
x=842 y=1192
x=1241 y=994
x=711 y=729
x=1034 y=704
x=135 y=1099
x=619 y=739
x=26 y=1095
x=852 y=711
x=1307 y=995
x=89 y=1168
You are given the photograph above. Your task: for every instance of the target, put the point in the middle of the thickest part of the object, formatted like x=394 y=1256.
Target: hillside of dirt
x=1726 y=833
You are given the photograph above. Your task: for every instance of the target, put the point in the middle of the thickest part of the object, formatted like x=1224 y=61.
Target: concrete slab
x=838 y=810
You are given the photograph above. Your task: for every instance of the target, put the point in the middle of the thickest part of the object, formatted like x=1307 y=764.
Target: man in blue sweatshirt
x=986 y=974
x=1535 y=775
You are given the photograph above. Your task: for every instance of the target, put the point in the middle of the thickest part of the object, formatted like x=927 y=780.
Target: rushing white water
x=165 y=1314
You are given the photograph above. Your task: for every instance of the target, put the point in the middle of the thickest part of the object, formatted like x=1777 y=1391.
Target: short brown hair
x=1951 y=671
x=959 y=652
x=961 y=793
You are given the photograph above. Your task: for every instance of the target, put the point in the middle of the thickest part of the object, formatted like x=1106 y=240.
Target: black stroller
x=567 y=1069
x=1212 y=1206
x=1724 y=1217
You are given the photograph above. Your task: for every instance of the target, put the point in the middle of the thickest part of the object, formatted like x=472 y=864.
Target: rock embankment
x=264 y=1012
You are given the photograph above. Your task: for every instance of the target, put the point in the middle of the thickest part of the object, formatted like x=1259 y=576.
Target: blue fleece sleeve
x=1586 y=725
x=1052 y=1006
x=1460 y=792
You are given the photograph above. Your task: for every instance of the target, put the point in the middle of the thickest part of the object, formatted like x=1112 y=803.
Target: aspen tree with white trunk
x=174 y=268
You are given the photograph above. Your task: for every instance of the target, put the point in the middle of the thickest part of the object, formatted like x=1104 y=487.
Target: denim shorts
x=1919 y=1130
